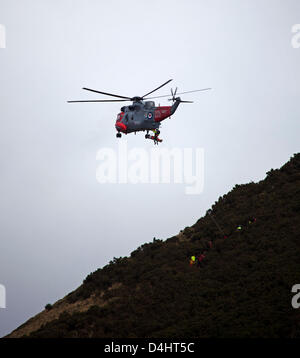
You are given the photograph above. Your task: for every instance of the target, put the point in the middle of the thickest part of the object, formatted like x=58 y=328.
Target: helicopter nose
x=121 y=126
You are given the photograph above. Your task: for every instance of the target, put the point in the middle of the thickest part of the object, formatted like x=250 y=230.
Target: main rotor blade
x=100 y=100
x=200 y=90
x=157 y=88
x=107 y=94
x=203 y=89
x=171 y=99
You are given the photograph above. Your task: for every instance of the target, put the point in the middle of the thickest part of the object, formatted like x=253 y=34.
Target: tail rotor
x=178 y=99
x=173 y=94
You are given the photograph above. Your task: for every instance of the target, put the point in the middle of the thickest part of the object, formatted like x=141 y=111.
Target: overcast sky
x=57 y=222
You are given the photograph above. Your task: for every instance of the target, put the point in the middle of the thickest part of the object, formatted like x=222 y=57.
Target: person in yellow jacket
x=192 y=260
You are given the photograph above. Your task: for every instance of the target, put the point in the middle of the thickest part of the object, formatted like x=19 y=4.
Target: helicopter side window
x=149 y=104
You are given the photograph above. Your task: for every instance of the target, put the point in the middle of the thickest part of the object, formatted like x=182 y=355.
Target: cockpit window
x=120 y=116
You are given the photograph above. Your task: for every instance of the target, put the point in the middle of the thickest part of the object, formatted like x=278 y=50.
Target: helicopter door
x=148 y=119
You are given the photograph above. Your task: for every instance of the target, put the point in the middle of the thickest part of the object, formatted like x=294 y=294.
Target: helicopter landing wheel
x=118 y=135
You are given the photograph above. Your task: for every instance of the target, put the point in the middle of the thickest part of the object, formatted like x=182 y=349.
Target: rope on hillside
x=199 y=259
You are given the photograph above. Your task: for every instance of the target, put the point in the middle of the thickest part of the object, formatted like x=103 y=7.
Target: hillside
x=242 y=289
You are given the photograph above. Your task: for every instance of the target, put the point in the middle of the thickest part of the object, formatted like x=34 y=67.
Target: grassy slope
x=243 y=290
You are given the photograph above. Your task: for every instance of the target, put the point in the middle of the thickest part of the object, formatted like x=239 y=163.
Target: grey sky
x=57 y=223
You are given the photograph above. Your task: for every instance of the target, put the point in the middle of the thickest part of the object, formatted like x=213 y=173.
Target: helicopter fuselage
x=141 y=116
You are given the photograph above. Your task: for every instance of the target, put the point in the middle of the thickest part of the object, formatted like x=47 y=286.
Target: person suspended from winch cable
x=155 y=138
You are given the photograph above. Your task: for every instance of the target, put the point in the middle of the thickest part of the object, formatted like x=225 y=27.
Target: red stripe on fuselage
x=162 y=113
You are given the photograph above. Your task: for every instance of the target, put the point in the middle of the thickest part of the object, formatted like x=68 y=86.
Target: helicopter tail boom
x=164 y=112
x=175 y=105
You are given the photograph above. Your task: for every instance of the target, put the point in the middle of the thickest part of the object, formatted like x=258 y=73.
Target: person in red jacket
x=200 y=259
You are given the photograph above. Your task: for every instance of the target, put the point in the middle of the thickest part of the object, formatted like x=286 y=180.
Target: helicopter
x=142 y=114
